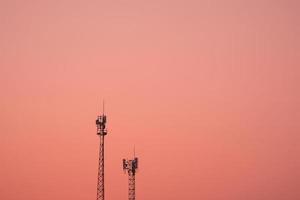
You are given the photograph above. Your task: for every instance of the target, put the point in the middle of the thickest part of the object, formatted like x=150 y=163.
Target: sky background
x=206 y=90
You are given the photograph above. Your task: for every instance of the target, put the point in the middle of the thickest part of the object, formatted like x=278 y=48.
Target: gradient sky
x=207 y=91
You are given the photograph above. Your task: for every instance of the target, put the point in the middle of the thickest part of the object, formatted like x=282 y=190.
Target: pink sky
x=207 y=91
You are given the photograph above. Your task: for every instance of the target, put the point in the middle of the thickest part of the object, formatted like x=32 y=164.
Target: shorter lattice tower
x=131 y=167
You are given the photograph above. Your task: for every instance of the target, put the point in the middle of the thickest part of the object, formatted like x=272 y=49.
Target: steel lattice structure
x=101 y=131
x=131 y=166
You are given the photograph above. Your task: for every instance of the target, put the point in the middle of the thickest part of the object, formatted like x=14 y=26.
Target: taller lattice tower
x=131 y=166
x=101 y=131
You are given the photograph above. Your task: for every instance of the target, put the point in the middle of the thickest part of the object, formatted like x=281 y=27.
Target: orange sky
x=207 y=90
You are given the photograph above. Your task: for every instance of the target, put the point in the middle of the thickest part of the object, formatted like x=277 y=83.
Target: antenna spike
x=103 y=107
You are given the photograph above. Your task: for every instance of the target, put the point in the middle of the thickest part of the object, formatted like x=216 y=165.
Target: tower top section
x=130 y=165
x=101 y=124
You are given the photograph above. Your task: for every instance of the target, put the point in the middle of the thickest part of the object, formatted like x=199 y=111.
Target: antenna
x=133 y=151
x=103 y=106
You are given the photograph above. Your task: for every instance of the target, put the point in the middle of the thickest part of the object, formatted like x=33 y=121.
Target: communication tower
x=131 y=167
x=101 y=131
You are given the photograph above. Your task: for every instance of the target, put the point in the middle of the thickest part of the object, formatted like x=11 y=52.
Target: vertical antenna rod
x=103 y=106
x=101 y=131
x=131 y=166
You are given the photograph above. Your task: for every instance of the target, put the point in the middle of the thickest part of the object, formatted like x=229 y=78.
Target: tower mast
x=101 y=131
x=131 y=166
